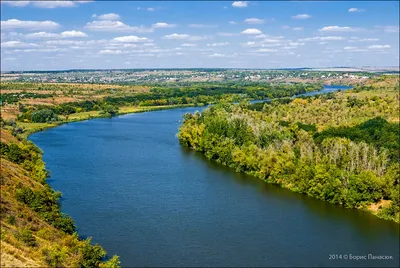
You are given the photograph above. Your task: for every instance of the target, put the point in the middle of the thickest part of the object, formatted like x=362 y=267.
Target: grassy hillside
x=34 y=233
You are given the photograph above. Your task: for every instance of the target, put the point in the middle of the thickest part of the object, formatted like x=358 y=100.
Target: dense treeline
x=323 y=147
x=157 y=96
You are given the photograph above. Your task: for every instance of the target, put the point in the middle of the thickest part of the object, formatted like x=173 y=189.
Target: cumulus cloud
x=227 y=34
x=239 y=4
x=112 y=52
x=301 y=17
x=379 y=47
x=297 y=28
x=354 y=9
x=70 y=34
x=17 y=44
x=189 y=45
x=202 y=26
x=176 y=36
x=337 y=29
x=389 y=29
x=350 y=48
x=44 y=4
x=263 y=50
x=218 y=44
x=16 y=3
x=251 y=31
x=163 y=25
x=254 y=21
x=53 y=4
x=109 y=16
x=45 y=35
x=131 y=39
x=216 y=55
x=114 y=26
x=29 y=25
x=357 y=39
x=323 y=38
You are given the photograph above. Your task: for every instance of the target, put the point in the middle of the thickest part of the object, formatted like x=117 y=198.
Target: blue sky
x=54 y=35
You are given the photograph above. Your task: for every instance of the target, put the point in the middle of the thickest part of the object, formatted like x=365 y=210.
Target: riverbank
x=348 y=157
x=30 y=128
x=128 y=183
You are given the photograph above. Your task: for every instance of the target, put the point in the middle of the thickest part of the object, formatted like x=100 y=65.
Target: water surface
x=128 y=183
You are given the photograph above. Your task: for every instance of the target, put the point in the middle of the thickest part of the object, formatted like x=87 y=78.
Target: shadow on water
x=361 y=221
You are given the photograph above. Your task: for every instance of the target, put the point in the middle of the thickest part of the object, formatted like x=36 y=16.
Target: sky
x=60 y=35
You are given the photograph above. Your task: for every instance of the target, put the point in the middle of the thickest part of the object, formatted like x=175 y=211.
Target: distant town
x=145 y=76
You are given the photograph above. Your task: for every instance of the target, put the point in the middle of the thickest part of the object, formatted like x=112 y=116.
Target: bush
x=25 y=235
x=43 y=116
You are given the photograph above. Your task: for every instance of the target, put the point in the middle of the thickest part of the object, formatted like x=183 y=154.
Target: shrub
x=43 y=116
x=25 y=235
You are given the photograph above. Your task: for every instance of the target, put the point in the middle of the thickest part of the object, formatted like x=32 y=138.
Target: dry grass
x=375 y=207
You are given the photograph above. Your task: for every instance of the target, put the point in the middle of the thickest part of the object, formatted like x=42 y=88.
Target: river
x=128 y=183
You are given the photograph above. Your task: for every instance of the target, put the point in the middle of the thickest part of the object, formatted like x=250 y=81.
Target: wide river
x=128 y=183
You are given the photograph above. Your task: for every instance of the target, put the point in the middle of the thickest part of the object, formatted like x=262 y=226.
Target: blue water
x=128 y=183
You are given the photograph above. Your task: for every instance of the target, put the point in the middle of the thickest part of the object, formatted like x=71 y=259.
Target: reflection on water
x=363 y=222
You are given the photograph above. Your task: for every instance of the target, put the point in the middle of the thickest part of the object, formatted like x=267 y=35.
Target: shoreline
x=31 y=128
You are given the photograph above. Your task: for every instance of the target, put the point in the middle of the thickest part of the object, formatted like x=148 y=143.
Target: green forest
x=156 y=96
x=342 y=148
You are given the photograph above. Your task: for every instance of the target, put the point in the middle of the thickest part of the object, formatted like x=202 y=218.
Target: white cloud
x=337 y=29
x=202 y=26
x=176 y=36
x=45 y=35
x=29 y=25
x=357 y=39
x=41 y=35
x=227 y=34
x=232 y=22
x=354 y=9
x=189 y=45
x=114 y=26
x=254 y=21
x=217 y=55
x=17 y=44
x=239 y=4
x=379 y=47
x=109 y=16
x=296 y=44
x=323 y=38
x=269 y=40
x=301 y=17
x=40 y=50
x=251 y=31
x=218 y=44
x=350 y=48
x=70 y=34
x=131 y=39
x=53 y=4
x=16 y=3
x=266 y=50
x=44 y=4
x=297 y=28
x=112 y=52
x=389 y=29
x=163 y=25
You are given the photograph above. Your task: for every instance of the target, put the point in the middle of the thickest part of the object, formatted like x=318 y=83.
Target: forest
x=155 y=96
x=342 y=148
